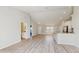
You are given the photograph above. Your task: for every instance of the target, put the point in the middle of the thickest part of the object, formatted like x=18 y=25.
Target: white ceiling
x=48 y=15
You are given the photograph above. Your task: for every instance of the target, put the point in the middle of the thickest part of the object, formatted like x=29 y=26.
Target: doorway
x=23 y=29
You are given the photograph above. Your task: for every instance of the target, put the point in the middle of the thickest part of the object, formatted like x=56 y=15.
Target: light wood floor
x=40 y=44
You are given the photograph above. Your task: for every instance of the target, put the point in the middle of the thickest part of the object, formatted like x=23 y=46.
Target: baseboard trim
x=35 y=35
x=25 y=38
x=9 y=44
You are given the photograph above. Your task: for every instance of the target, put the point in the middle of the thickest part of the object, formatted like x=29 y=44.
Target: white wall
x=39 y=29
x=75 y=23
x=43 y=31
x=10 y=29
x=34 y=28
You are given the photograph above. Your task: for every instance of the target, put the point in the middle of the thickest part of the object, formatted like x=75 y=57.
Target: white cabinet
x=64 y=38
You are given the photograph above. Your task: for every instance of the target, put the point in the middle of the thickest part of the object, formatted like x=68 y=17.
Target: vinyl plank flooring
x=59 y=49
x=40 y=44
x=71 y=49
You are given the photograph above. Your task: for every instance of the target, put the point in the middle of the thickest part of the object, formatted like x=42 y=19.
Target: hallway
x=40 y=44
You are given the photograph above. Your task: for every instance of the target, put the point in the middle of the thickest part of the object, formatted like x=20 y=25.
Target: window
x=49 y=29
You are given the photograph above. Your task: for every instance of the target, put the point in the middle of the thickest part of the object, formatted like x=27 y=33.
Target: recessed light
x=64 y=12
